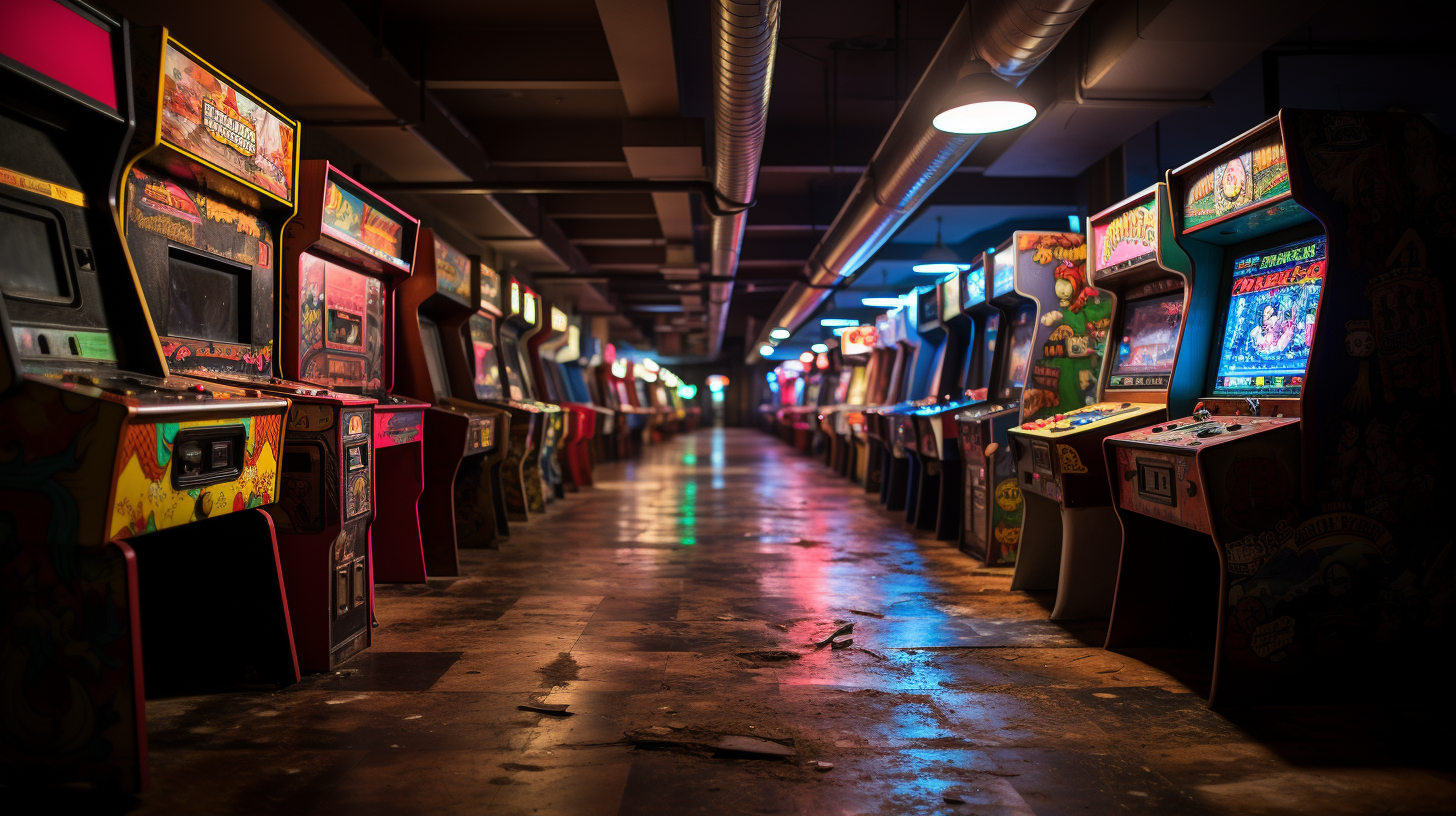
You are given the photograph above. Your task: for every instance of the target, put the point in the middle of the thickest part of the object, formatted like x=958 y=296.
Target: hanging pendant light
x=982 y=102
x=939 y=259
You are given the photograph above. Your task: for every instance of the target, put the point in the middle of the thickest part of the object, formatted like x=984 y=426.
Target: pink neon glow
x=61 y=44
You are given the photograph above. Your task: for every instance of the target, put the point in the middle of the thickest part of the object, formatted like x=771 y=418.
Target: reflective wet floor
x=674 y=609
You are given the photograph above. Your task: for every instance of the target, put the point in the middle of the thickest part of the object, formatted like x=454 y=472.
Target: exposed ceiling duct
x=1013 y=37
x=745 y=41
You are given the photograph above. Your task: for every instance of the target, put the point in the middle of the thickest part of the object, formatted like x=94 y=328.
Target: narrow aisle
x=676 y=604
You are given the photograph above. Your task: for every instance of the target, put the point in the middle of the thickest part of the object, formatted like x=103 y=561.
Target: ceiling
x=620 y=91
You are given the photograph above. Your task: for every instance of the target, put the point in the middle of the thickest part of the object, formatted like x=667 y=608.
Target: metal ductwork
x=745 y=41
x=1013 y=37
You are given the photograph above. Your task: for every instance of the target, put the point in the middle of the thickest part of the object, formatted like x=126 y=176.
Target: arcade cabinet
x=1070 y=538
x=964 y=371
x=345 y=255
x=1297 y=507
x=460 y=506
x=211 y=184
x=877 y=392
x=576 y=358
x=925 y=384
x=900 y=357
x=522 y=314
x=563 y=354
x=1022 y=274
x=579 y=421
x=119 y=483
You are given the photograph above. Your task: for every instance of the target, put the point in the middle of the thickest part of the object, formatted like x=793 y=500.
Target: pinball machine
x=1298 y=506
x=1070 y=538
x=521 y=314
x=211 y=182
x=114 y=468
x=1022 y=275
x=345 y=254
x=964 y=369
x=579 y=420
x=463 y=496
x=923 y=388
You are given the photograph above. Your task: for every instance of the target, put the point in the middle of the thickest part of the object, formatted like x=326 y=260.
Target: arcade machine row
x=209 y=187
x=345 y=254
x=966 y=317
x=848 y=371
x=522 y=313
x=113 y=469
x=460 y=506
x=1023 y=287
x=1309 y=464
x=1070 y=539
x=578 y=421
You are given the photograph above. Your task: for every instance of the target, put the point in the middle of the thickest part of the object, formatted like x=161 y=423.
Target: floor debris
x=866 y=613
x=822 y=766
x=842 y=643
x=954 y=796
x=559 y=709
x=769 y=656
x=846 y=629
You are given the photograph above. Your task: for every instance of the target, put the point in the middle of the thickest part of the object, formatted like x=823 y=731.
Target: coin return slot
x=1155 y=482
x=341 y=590
x=206 y=456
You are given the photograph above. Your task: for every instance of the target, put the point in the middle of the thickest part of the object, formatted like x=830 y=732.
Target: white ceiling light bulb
x=940 y=259
x=982 y=102
x=780 y=334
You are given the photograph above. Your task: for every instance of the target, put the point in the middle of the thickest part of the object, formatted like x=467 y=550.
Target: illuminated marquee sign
x=558 y=320
x=530 y=307
x=858 y=340
x=489 y=288
x=206 y=115
x=1253 y=177
x=1126 y=239
x=515 y=297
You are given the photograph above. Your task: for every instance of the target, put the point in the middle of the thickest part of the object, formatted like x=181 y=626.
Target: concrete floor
x=676 y=603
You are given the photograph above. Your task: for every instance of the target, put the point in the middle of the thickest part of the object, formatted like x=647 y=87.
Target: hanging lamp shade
x=982 y=102
x=939 y=259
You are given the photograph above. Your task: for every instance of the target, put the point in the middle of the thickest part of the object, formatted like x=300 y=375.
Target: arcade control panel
x=1091 y=415
x=1060 y=457
x=1159 y=471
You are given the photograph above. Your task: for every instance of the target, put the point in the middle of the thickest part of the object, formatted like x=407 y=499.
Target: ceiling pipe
x=745 y=40
x=1012 y=37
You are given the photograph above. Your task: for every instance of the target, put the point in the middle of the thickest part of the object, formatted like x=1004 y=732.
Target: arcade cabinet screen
x=205 y=297
x=1023 y=331
x=1149 y=342
x=929 y=308
x=1003 y=271
x=990 y=328
x=434 y=357
x=515 y=376
x=975 y=286
x=487 y=364
x=1271 y=314
x=32 y=265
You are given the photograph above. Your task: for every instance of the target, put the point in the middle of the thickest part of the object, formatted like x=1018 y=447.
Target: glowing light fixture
x=819 y=348
x=981 y=102
x=806 y=357
x=838 y=322
x=766 y=350
x=716 y=383
x=687 y=391
x=883 y=302
x=939 y=259
x=780 y=334
x=619 y=368
x=558 y=319
x=651 y=365
x=1074 y=223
